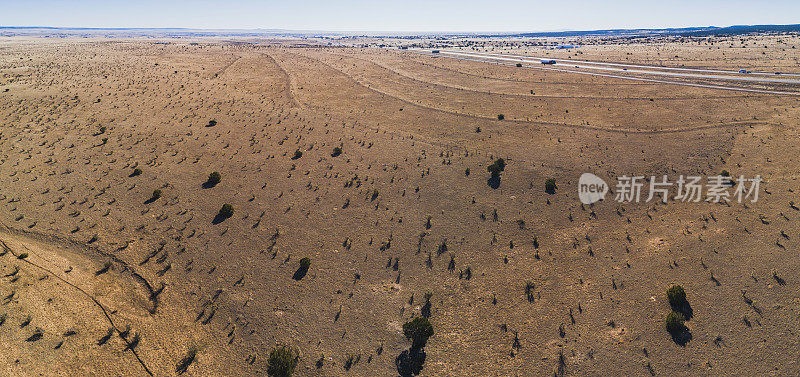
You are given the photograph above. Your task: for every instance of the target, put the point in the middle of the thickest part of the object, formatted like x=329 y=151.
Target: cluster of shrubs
x=418 y=330
x=497 y=167
x=680 y=313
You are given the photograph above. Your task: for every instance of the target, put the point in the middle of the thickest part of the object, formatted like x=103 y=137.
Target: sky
x=398 y=15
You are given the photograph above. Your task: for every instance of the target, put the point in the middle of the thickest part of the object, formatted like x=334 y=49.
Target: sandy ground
x=404 y=210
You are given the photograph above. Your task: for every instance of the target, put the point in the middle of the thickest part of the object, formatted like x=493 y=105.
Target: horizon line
x=2 y=27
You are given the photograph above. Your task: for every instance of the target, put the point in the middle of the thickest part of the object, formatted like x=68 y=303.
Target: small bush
x=282 y=361
x=676 y=296
x=102 y=130
x=336 y=152
x=305 y=263
x=226 y=211
x=22 y=255
x=501 y=117
x=418 y=330
x=211 y=123
x=156 y=195
x=136 y=172
x=529 y=291
x=674 y=322
x=496 y=167
x=214 y=178
x=550 y=186
x=297 y=154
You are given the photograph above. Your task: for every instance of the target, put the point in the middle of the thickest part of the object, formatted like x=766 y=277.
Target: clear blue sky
x=399 y=15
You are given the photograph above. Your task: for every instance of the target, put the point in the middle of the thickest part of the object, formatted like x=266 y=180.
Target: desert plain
x=372 y=162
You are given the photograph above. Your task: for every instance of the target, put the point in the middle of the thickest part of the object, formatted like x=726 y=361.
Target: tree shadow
x=300 y=273
x=148 y=201
x=183 y=366
x=494 y=182
x=409 y=363
x=36 y=336
x=426 y=309
x=208 y=185
x=682 y=336
x=219 y=218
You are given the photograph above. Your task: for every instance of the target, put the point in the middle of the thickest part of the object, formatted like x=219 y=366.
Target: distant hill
x=689 y=31
x=745 y=29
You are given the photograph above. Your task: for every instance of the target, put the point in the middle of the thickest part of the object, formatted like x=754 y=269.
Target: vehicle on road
x=548 y=61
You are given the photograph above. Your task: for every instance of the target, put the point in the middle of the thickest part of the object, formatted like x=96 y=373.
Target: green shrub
x=211 y=123
x=305 y=263
x=496 y=167
x=102 y=130
x=674 y=322
x=336 y=152
x=550 y=185
x=226 y=211
x=214 y=178
x=136 y=172
x=676 y=296
x=418 y=330
x=501 y=117
x=156 y=194
x=282 y=361
x=297 y=154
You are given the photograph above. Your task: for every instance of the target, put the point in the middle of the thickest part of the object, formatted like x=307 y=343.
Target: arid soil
x=117 y=280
